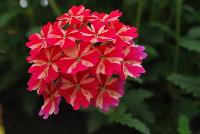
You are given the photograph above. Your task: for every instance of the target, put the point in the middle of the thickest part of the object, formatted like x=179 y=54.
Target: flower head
x=85 y=58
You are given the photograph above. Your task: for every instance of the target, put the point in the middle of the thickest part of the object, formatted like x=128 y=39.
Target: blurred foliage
x=164 y=101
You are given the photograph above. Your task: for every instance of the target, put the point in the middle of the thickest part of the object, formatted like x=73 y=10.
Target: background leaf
x=191 y=44
x=8 y=16
x=126 y=119
x=187 y=83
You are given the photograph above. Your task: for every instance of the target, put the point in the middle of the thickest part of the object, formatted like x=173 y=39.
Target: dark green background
x=165 y=100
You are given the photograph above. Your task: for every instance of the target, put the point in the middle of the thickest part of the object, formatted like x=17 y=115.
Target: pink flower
x=78 y=58
x=64 y=38
x=51 y=100
x=131 y=64
x=97 y=32
x=110 y=61
x=75 y=15
x=44 y=65
x=103 y=17
x=110 y=90
x=78 y=89
x=39 y=41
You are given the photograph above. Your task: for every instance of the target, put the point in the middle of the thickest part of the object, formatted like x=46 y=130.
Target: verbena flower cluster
x=84 y=57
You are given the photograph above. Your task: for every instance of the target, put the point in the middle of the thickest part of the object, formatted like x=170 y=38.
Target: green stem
x=54 y=7
x=139 y=13
x=31 y=16
x=178 y=35
x=152 y=12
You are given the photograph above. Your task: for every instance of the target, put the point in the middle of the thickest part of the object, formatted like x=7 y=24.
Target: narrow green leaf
x=33 y=30
x=138 y=80
x=8 y=16
x=194 y=32
x=164 y=28
x=138 y=95
x=190 y=44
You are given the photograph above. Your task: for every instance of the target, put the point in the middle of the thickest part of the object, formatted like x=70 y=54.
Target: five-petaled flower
x=84 y=58
x=51 y=100
x=78 y=89
x=109 y=91
x=39 y=41
x=97 y=32
x=75 y=15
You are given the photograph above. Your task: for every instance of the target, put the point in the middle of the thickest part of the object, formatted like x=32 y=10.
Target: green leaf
x=138 y=80
x=189 y=84
x=134 y=101
x=127 y=119
x=8 y=16
x=183 y=125
x=130 y=2
x=164 y=28
x=33 y=30
x=190 y=44
x=138 y=95
x=194 y=32
x=151 y=51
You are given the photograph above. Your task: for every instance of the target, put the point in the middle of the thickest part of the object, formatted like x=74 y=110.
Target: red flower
x=110 y=90
x=131 y=64
x=51 y=100
x=97 y=32
x=39 y=41
x=45 y=66
x=125 y=34
x=78 y=58
x=75 y=15
x=36 y=84
x=64 y=38
x=79 y=89
x=102 y=17
x=110 y=61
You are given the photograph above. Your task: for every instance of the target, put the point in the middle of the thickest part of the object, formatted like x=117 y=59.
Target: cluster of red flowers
x=84 y=57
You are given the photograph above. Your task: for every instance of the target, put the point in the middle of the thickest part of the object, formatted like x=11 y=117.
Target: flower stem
x=54 y=7
x=178 y=35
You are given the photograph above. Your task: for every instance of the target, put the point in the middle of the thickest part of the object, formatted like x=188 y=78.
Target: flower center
x=96 y=35
x=103 y=88
x=102 y=57
x=78 y=59
x=77 y=86
x=64 y=36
